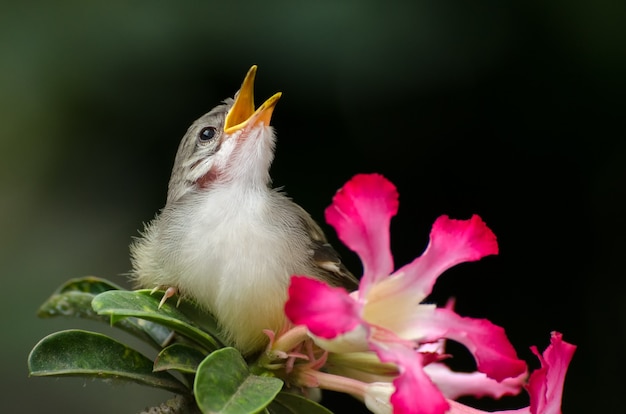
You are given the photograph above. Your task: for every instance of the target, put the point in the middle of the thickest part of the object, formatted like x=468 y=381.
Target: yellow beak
x=242 y=113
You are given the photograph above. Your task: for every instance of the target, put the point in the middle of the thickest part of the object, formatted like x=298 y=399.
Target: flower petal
x=451 y=242
x=377 y=396
x=351 y=341
x=545 y=384
x=361 y=213
x=494 y=354
x=458 y=408
x=458 y=384
x=414 y=391
x=326 y=311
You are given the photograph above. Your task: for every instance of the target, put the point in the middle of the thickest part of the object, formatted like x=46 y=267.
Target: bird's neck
x=241 y=193
x=236 y=200
x=244 y=161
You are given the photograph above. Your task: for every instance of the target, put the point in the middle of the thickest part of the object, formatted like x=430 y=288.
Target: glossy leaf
x=181 y=357
x=83 y=353
x=74 y=298
x=88 y=284
x=141 y=304
x=76 y=304
x=225 y=385
x=199 y=317
x=289 y=403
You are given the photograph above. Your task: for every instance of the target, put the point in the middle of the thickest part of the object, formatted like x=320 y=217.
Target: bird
x=225 y=238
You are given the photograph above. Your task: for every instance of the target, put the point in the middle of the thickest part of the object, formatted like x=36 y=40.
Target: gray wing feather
x=324 y=257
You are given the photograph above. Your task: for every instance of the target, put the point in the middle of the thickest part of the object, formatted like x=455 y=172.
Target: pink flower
x=545 y=385
x=386 y=314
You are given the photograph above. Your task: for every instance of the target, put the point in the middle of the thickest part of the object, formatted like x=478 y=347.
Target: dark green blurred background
x=511 y=110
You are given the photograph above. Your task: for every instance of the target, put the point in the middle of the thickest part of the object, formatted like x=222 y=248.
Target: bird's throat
x=208 y=179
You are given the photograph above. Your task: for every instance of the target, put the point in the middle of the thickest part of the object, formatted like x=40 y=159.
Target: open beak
x=242 y=112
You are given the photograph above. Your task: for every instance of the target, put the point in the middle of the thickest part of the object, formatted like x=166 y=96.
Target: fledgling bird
x=225 y=238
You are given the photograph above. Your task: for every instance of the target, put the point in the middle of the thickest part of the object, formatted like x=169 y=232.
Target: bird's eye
x=207 y=134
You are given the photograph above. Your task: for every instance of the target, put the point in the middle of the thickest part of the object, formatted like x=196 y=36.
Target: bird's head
x=232 y=145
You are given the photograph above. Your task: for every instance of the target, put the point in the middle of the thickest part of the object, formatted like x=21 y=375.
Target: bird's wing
x=325 y=258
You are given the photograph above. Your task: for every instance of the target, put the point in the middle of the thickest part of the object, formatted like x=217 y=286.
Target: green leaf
x=141 y=304
x=159 y=334
x=180 y=357
x=77 y=304
x=88 y=284
x=289 y=403
x=82 y=353
x=74 y=298
x=200 y=318
x=225 y=385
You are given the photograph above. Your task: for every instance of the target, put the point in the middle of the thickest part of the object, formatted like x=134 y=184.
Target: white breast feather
x=226 y=249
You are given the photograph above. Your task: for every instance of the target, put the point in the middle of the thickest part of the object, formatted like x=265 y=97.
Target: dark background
x=511 y=110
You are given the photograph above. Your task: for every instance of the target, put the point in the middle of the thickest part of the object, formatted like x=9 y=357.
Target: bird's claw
x=169 y=292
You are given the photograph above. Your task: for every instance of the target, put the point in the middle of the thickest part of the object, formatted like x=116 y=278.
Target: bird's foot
x=169 y=292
